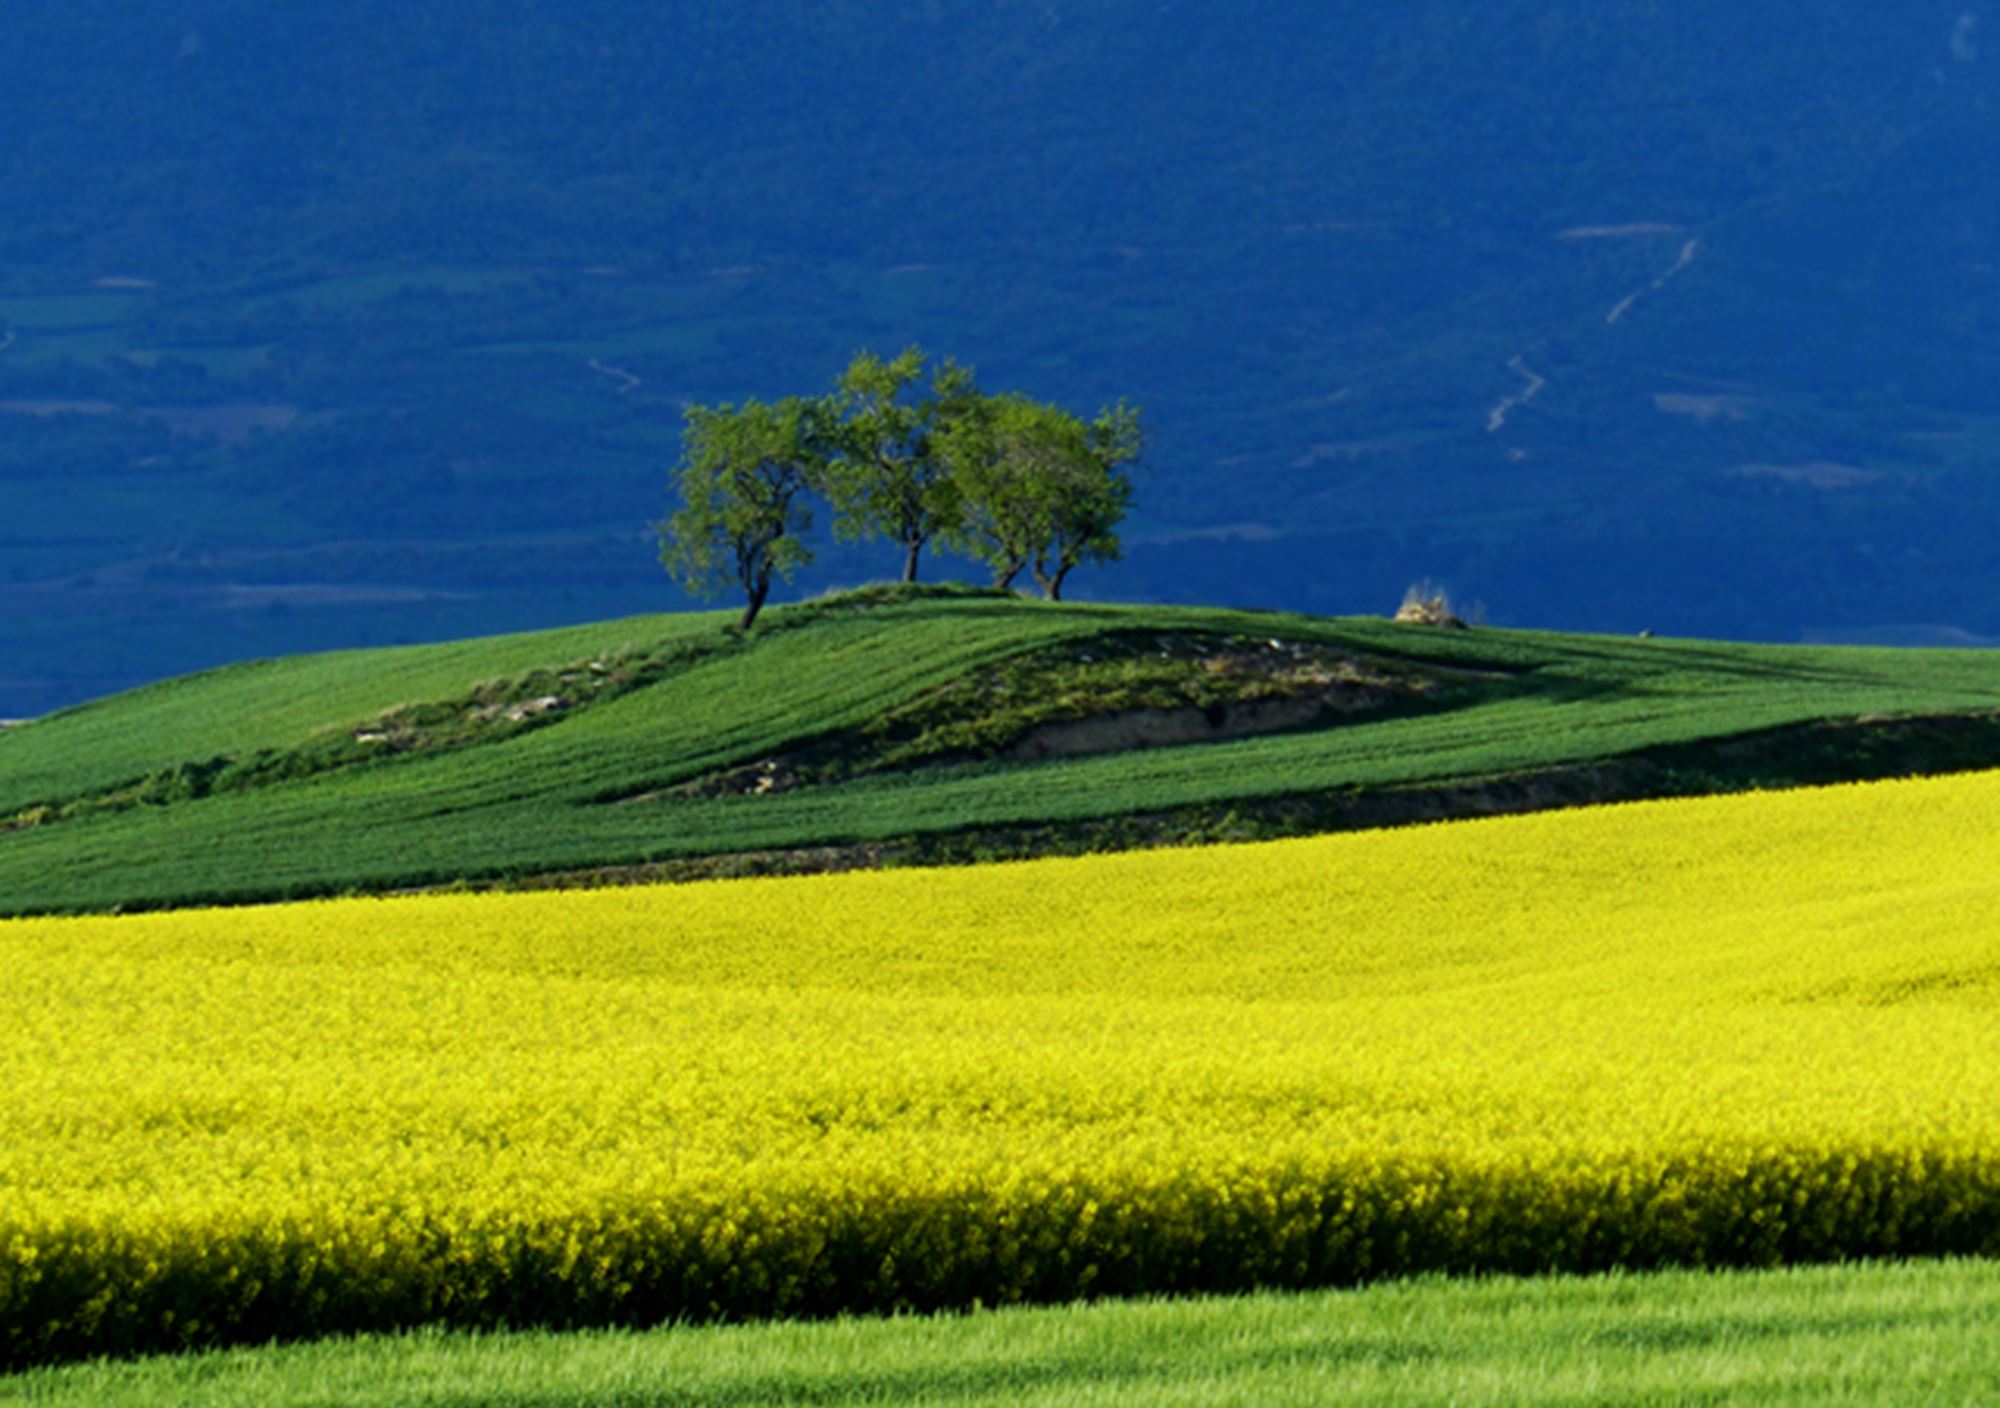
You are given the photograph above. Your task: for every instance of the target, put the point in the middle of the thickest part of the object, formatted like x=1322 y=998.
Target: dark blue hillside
x=357 y=323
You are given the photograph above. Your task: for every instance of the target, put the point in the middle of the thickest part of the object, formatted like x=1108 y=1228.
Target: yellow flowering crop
x=1738 y=1030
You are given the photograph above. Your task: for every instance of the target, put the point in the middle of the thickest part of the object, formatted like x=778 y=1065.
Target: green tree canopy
x=888 y=479
x=744 y=475
x=1040 y=489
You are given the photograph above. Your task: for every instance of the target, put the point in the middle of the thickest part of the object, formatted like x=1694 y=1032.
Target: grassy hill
x=890 y=726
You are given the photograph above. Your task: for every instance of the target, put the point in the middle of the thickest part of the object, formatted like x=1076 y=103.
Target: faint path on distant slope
x=628 y=381
x=1624 y=306
x=1497 y=417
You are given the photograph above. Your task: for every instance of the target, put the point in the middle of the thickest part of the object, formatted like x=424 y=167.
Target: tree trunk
x=1004 y=577
x=1051 y=582
x=910 y=551
x=758 y=590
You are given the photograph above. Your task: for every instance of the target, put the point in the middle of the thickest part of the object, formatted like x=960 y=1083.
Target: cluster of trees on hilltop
x=1018 y=484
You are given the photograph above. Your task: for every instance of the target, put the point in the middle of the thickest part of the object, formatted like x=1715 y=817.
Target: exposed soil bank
x=1162 y=728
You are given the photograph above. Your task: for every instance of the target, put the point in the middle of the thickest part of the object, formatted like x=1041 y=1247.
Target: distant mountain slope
x=333 y=326
x=886 y=726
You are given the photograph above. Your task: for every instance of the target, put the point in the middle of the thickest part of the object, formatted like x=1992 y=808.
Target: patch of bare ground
x=1160 y=728
x=1427 y=605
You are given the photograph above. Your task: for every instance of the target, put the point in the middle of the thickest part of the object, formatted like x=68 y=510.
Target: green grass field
x=111 y=803
x=252 y=782
x=1910 y=1333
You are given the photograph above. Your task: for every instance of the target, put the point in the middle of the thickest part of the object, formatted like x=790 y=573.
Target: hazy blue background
x=352 y=324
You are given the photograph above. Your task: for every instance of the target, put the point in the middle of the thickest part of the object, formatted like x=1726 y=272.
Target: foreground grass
x=1916 y=1332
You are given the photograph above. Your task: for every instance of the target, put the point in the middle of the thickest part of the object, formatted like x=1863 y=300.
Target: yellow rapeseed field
x=1736 y=1030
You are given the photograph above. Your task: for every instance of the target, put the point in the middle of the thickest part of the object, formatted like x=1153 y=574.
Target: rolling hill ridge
x=896 y=725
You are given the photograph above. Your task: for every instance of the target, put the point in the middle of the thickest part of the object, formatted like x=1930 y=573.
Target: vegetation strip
x=1887 y=1333
x=1627 y=1036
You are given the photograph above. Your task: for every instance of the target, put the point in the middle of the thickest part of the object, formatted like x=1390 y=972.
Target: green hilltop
x=908 y=725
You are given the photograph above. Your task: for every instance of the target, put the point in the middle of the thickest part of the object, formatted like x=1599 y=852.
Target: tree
x=888 y=479
x=743 y=477
x=1040 y=489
